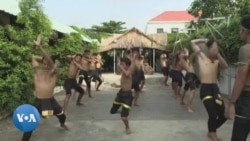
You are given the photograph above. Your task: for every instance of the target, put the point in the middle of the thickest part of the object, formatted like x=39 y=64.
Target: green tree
x=212 y=8
x=16 y=49
x=110 y=27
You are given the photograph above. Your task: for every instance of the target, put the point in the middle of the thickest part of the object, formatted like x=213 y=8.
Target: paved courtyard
x=159 y=118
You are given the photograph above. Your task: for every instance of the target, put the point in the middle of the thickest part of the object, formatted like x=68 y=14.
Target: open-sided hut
x=134 y=38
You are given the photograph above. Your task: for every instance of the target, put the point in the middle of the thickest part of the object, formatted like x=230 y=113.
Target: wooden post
x=114 y=61
x=154 y=60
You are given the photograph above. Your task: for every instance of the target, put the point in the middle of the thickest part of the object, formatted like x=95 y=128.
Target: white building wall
x=167 y=26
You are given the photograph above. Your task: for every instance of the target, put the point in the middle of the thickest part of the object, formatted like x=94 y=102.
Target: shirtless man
x=96 y=74
x=240 y=99
x=124 y=97
x=209 y=91
x=70 y=82
x=136 y=79
x=45 y=77
x=177 y=75
x=191 y=79
x=164 y=67
x=84 y=72
x=99 y=65
x=142 y=74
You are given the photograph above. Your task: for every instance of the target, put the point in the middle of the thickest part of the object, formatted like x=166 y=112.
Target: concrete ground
x=159 y=118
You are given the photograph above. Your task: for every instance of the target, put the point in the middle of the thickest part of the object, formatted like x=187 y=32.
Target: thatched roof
x=160 y=38
x=107 y=40
x=130 y=39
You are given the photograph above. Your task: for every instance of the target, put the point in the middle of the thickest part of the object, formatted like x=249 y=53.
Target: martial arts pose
x=84 y=72
x=191 y=79
x=164 y=67
x=209 y=91
x=71 y=83
x=142 y=74
x=177 y=75
x=99 y=64
x=240 y=99
x=136 y=75
x=124 y=97
x=96 y=71
x=45 y=77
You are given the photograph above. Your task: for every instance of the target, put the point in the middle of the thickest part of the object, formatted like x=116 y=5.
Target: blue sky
x=85 y=13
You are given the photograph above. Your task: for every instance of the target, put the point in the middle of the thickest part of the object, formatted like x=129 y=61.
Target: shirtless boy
x=209 y=91
x=84 y=72
x=164 y=67
x=71 y=83
x=98 y=65
x=95 y=72
x=191 y=79
x=240 y=99
x=45 y=77
x=124 y=97
x=177 y=75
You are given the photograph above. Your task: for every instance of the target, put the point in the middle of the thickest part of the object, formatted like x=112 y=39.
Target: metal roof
x=12 y=7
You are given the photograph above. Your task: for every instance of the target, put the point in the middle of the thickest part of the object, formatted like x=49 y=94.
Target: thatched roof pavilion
x=134 y=38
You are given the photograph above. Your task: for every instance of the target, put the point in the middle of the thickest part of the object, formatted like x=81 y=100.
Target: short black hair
x=128 y=52
x=94 y=54
x=245 y=22
x=210 y=43
x=135 y=49
x=78 y=55
x=164 y=52
x=86 y=51
x=126 y=60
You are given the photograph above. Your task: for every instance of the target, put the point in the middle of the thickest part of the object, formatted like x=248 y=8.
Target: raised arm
x=44 y=53
x=55 y=68
x=222 y=62
x=35 y=61
x=195 y=46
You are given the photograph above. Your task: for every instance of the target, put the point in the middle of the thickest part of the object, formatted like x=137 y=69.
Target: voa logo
x=26 y=118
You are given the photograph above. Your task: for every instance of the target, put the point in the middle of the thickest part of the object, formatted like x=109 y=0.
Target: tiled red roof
x=173 y=16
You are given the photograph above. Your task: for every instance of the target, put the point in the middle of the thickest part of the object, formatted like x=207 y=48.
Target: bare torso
x=163 y=60
x=187 y=66
x=73 y=69
x=208 y=70
x=85 y=64
x=98 y=64
x=126 y=82
x=45 y=83
x=92 y=65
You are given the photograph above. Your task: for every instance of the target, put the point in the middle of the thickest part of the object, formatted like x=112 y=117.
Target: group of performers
x=209 y=65
x=132 y=78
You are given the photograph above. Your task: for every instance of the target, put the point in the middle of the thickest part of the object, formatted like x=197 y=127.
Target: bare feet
x=64 y=127
x=79 y=104
x=183 y=103
x=90 y=96
x=213 y=137
x=190 y=110
x=137 y=105
x=97 y=90
x=128 y=131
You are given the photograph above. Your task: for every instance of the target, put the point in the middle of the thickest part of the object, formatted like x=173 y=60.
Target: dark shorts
x=210 y=91
x=86 y=75
x=142 y=75
x=70 y=83
x=136 y=80
x=192 y=81
x=242 y=106
x=177 y=77
x=165 y=71
x=124 y=99
x=48 y=107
